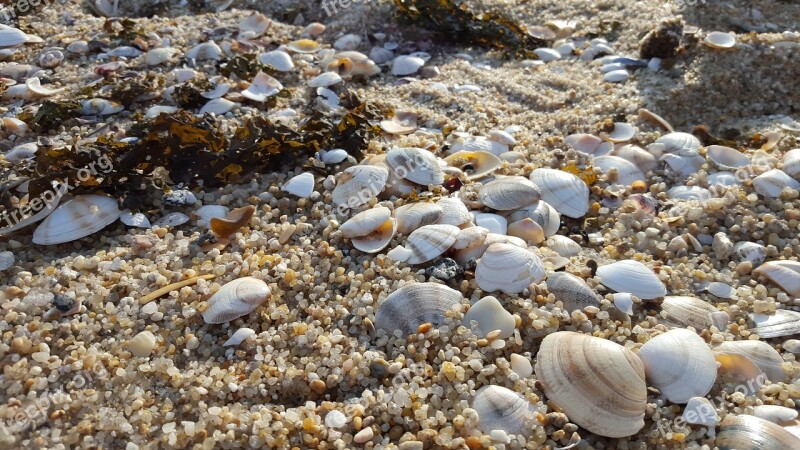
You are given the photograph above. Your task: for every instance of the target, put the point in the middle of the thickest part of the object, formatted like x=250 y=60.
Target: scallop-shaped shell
x=770 y=184
x=236 y=299
x=475 y=165
x=686 y=312
x=430 y=241
x=262 y=88
x=785 y=274
x=206 y=50
x=791 y=163
x=416 y=165
x=679 y=364
x=727 y=158
x=542 y=213
x=584 y=143
x=495 y=223
x=415 y=215
x=745 y=432
x=762 y=354
x=454 y=212
x=508 y=268
x=77 y=218
x=632 y=277
x=627 y=172
x=358 y=185
x=597 y=383
x=465 y=255
x=571 y=291
x=509 y=193
x=489 y=315
x=640 y=157
x=278 y=60
x=301 y=185
x=415 y=304
x=679 y=142
x=365 y=222
x=563 y=245
x=500 y=408
x=781 y=323
x=565 y=192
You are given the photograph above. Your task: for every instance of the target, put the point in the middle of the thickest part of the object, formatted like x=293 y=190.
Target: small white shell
x=571 y=291
x=253 y=26
x=509 y=193
x=301 y=185
x=775 y=413
x=454 y=211
x=727 y=158
x=156 y=110
x=134 y=220
x=640 y=157
x=159 y=55
x=623 y=302
x=689 y=193
x=770 y=184
x=100 y=107
x=21 y=152
x=687 y=312
x=142 y=345
x=622 y=132
x=781 y=323
x=785 y=274
x=616 y=76
x=430 y=242
x=399 y=254
x=563 y=245
x=77 y=218
x=365 y=222
x=333 y=156
x=633 y=277
x=406 y=65
x=416 y=165
x=415 y=215
x=358 y=185
x=750 y=432
x=626 y=171
x=679 y=143
x=521 y=365
x=489 y=315
x=584 y=143
x=508 y=268
x=241 y=335
x=378 y=239
x=172 y=219
x=475 y=165
x=493 y=222
x=36 y=87
x=278 y=60
x=565 y=192
x=501 y=408
x=325 y=79
x=206 y=50
x=700 y=411
x=718 y=39
x=11 y=37
x=791 y=163
x=542 y=213
x=528 y=230
x=218 y=106
x=415 y=304
x=205 y=213
x=470 y=237
x=262 y=87
x=236 y=299
x=502 y=136
x=759 y=352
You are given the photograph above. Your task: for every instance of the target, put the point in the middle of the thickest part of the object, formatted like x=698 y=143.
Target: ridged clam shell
x=236 y=299
x=545 y=215
x=416 y=165
x=77 y=218
x=454 y=212
x=563 y=245
x=744 y=432
x=679 y=364
x=632 y=277
x=571 y=291
x=470 y=237
x=683 y=165
x=686 y=312
x=489 y=315
x=762 y=354
x=565 y=192
x=495 y=223
x=358 y=185
x=679 y=142
x=475 y=165
x=463 y=256
x=785 y=274
x=365 y=222
x=770 y=184
x=640 y=157
x=508 y=268
x=689 y=193
x=430 y=241
x=727 y=158
x=415 y=215
x=627 y=172
x=597 y=383
x=509 y=193
x=415 y=304
x=583 y=143
x=528 y=230
x=501 y=408
x=782 y=323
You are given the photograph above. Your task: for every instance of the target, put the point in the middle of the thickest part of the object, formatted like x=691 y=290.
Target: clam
x=415 y=215
x=454 y=211
x=156 y=110
x=472 y=253
x=241 y=335
x=528 y=230
x=502 y=136
x=632 y=277
x=775 y=413
x=130 y=219
x=236 y=299
x=584 y=143
x=35 y=86
x=415 y=304
x=770 y=184
x=406 y=65
x=159 y=55
x=205 y=213
x=721 y=290
x=100 y=107
x=508 y=268
x=739 y=432
x=791 y=163
x=689 y=193
x=489 y=315
x=360 y=63
x=358 y=185
x=301 y=185
x=727 y=158
x=781 y=323
x=12 y=37
x=333 y=156
x=325 y=79
x=430 y=241
x=719 y=40
x=206 y=50
x=475 y=165
x=597 y=383
x=542 y=213
x=571 y=291
x=622 y=132
x=687 y=312
x=262 y=87
x=303 y=46
x=655 y=119
x=477 y=143
x=253 y=26
x=218 y=106
x=509 y=193
x=623 y=302
x=750 y=251
x=400 y=125
x=626 y=171
x=565 y=192
x=501 y=408
x=759 y=352
x=563 y=245
x=495 y=223
x=278 y=60
x=785 y=274
x=21 y=152
x=77 y=218
x=416 y=165
x=640 y=157
x=679 y=143
x=370 y=230
x=679 y=364
x=470 y=237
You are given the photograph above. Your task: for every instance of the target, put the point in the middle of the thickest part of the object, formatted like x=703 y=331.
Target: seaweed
x=189 y=95
x=51 y=114
x=244 y=66
x=130 y=91
x=486 y=29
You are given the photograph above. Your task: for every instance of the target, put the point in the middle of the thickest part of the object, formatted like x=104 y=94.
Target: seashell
x=172 y=219
x=27 y=218
x=79 y=47
x=253 y=25
x=400 y=125
x=278 y=60
x=759 y=352
x=679 y=143
x=623 y=302
x=358 y=185
x=616 y=76
x=380 y=55
x=597 y=383
x=727 y=158
x=334 y=156
x=563 y=245
x=489 y=315
x=232 y=222
x=542 y=213
x=633 y=277
x=719 y=40
x=406 y=65
x=470 y=237
x=429 y=242
x=689 y=193
x=347 y=42
x=785 y=274
x=509 y=193
x=771 y=183
x=791 y=163
x=206 y=50
x=399 y=254
x=547 y=54
x=687 y=312
x=584 y=143
x=775 y=413
x=416 y=165
x=721 y=290
x=679 y=364
x=454 y=212
x=528 y=230
x=571 y=291
x=626 y=171
x=468 y=254
x=159 y=55
x=622 y=132
x=371 y=230
x=138 y=220
x=325 y=79
x=15 y=126
x=476 y=144
x=21 y=152
x=301 y=185
x=12 y=37
x=508 y=268
x=204 y=214
x=750 y=432
x=565 y=192
x=655 y=119
x=142 y=345
x=700 y=411
x=494 y=223
x=262 y=87
x=218 y=106
x=782 y=323
x=501 y=408
x=220 y=88
x=100 y=107
x=51 y=58
x=415 y=304
x=475 y=165
x=236 y=299
x=155 y=111
x=415 y=215
x=750 y=251
x=303 y=46
x=640 y=157
x=80 y=217
x=521 y=365
x=360 y=64
x=241 y=335
x=502 y=136
x=722 y=179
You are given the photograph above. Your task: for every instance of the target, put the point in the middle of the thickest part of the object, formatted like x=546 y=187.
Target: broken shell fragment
x=489 y=315
x=719 y=40
x=415 y=304
x=262 y=87
x=500 y=408
x=508 y=268
x=142 y=345
x=633 y=277
x=770 y=184
x=236 y=299
x=781 y=323
x=234 y=221
x=686 y=312
x=301 y=185
x=785 y=274
x=759 y=352
x=241 y=335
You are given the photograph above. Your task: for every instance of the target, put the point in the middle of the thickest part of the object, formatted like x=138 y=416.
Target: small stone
x=21 y=345
x=7 y=260
x=335 y=419
x=317 y=386
x=521 y=365
x=429 y=72
x=411 y=445
x=63 y=302
x=446 y=269
x=142 y=344
x=500 y=436
x=180 y=197
x=364 y=436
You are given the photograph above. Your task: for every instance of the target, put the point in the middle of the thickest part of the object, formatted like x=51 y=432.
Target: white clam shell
x=528 y=230
x=172 y=219
x=791 y=163
x=521 y=365
x=358 y=185
x=751 y=432
x=718 y=39
x=156 y=110
x=622 y=132
x=563 y=245
x=300 y=185
x=584 y=143
x=680 y=143
x=262 y=87
x=399 y=254
x=493 y=222
x=205 y=213
x=727 y=158
x=502 y=136
x=475 y=165
x=80 y=217
x=598 y=384
x=640 y=157
x=21 y=152
x=130 y=219
x=616 y=76
x=333 y=156
x=236 y=299
x=632 y=277
x=500 y=408
x=277 y=59
x=509 y=193
x=377 y=239
x=770 y=184
x=206 y=50
x=470 y=237
x=689 y=193
x=542 y=213
x=430 y=242
x=477 y=144
x=254 y=25
x=781 y=323
x=679 y=364
x=464 y=256
x=217 y=106
x=241 y=335
x=160 y=55
x=508 y=268
x=415 y=304
x=100 y=107
x=365 y=222
x=627 y=172
x=683 y=165
x=12 y=37
x=361 y=64
x=416 y=165
x=684 y=312
x=623 y=302
x=415 y=215
x=489 y=315
x=565 y=192
x=406 y=65
x=454 y=212
x=35 y=86
x=325 y=79
x=759 y=352
x=775 y=413
x=785 y=274
x=571 y=291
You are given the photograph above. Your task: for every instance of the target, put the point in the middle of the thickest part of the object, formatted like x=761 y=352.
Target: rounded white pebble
x=142 y=344
x=363 y=436
x=547 y=54
x=521 y=365
x=335 y=419
x=616 y=76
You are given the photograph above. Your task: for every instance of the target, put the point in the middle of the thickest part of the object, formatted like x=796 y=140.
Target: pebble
x=7 y=260
x=335 y=419
x=616 y=76
x=142 y=344
x=364 y=436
